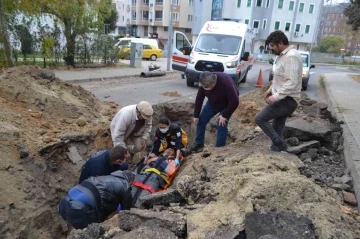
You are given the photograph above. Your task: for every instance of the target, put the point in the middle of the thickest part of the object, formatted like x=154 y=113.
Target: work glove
x=177 y=161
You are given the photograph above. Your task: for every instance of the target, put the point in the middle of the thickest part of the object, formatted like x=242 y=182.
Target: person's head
x=278 y=41
x=164 y=125
x=144 y=110
x=169 y=152
x=208 y=80
x=118 y=154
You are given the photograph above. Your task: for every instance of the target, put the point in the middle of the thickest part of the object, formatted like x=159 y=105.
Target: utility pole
x=170 y=36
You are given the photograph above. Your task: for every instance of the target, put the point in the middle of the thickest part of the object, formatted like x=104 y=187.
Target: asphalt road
x=125 y=91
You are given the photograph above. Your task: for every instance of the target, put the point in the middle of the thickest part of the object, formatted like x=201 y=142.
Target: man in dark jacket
x=105 y=162
x=96 y=198
x=223 y=98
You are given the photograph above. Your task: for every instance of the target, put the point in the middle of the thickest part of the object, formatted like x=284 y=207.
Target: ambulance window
x=243 y=48
x=182 y=44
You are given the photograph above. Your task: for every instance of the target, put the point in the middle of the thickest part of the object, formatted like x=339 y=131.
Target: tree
x=352 y=12
x=4 y=38
x=331 y=44
x=26 y=39
x=108 y=13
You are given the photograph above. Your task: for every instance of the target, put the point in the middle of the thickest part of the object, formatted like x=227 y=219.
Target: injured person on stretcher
x=154 y=174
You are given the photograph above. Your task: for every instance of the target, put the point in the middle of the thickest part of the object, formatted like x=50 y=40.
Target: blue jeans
x=222 y=131
x=278 y=113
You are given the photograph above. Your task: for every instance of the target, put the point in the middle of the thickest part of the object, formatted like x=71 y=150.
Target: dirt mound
x=41 y=118
x=171 y=94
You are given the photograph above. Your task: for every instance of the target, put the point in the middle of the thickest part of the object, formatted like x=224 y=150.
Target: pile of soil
x=39 y=111
x=171 y=94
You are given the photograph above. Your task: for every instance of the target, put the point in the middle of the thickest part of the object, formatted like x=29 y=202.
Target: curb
x=351 y=148
x=74 y=81
x=329 y=64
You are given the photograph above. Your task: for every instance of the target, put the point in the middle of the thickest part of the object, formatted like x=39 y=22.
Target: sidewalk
x=109 y=72
x=343 y=94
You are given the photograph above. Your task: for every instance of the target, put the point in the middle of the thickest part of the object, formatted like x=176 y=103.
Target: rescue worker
x=105 y=162
x=169 y=135
x=96 y=198
x=131 y=126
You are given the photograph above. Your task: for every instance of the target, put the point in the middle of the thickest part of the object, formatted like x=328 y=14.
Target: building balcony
x=158 y=19
x=159 y=3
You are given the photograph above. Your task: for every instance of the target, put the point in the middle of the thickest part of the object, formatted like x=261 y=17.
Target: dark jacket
x=173 y=139
x=98 y=165
x=113 y=190
x=224 y=97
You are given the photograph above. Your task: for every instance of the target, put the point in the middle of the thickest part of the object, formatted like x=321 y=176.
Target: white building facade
x=299 y=19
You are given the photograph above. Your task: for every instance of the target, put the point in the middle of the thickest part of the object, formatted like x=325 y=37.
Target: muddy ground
x=42 y=117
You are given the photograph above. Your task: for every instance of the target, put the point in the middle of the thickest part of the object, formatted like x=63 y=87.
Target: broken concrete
x=278 y=224
x=175 y=222
x=75 y=157
x=160 y=198
x=303 y=147
x=148 y=231
x=304 y=130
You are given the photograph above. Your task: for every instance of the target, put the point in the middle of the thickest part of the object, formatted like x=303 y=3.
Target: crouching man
x=96 y=198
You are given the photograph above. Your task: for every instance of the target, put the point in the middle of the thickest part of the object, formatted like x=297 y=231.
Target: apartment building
x=120 y=6
x=299 y=19
x=333 y=23
x=150 y=18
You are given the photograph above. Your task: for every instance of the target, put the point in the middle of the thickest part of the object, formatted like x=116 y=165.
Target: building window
x=159 y=2
x=247 y=21
x=165 y=29
x=311 y=8
x=264 y=24
x=146 y=31
x=155 y=29
x=145 y=16
x=187 y=30
x=158 y=16
x=277 y=25
x=280 y=4
x=297 y=27
x=301 y=7
x=176 y=2
x=175 y=16
x=267 y=3
x=123 y=18
x=191 y=3
x=133 y=2
x=133 y=15
x=256 y=24
x=287 y=26
x=238 y=3
x=190 y=18
x=248 y=3
x=307 y=29
x=258 y=3
x=291 y=5
x=145 y=2
x=334 y=23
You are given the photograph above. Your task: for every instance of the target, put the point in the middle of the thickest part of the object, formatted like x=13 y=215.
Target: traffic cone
x=259 y=82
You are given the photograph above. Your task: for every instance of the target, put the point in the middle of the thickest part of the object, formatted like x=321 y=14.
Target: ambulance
x=222 y=46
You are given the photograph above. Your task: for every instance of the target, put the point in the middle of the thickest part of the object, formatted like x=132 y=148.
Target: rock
x=316 y=110
x=340 y=149
x=349 y=198
x=160 y=198
x=308 y=160
x=292 y=141
x=334 y=140
x=23 y=153
x=47 y=75
x=347 y=180
x=337 y=180
x=303 y=147
x=8 y=132
x=77 y=138
x=189 y=188
x=91 y=232
x=48 y=139
x=81 y=121
x=46 y=125
x=36 y=115
x=339 y=187
x=75 y=157
x=325 y=151
x=278 y=224
x=135 y=218
x=304 y=130
x=148 y=231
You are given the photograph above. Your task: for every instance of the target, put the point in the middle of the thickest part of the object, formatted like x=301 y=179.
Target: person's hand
x=267 y=94
x=196 y=121
x=271 y=100
x=152 y=155
x=143 y=143
x=150 y=160
x=177 y=161
x=222 y=120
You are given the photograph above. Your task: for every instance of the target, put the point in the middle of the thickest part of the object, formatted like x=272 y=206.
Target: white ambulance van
x=222 y=46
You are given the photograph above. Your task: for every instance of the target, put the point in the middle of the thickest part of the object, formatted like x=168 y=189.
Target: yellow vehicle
x=149 y=52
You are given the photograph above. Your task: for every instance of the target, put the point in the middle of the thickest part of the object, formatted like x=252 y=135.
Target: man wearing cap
x=131 y=126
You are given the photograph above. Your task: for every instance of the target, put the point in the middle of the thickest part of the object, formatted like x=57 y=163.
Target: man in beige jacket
x=131 y=126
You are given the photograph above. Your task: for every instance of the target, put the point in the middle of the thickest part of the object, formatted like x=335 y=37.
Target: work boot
x=196 y=148
x=279 y=148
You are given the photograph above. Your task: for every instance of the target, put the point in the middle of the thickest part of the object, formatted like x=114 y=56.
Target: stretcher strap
x=154 y=170
x=144 y=186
